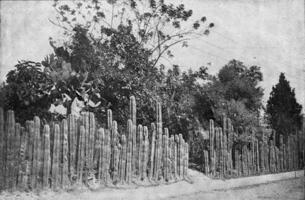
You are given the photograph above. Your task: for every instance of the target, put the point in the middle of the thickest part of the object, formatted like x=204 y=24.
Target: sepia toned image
x=152 y=99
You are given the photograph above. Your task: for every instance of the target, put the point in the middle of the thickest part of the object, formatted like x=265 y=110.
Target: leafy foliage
x=284 y=112
x=234 y=93
x=28 y=91
x=119 y=45
x=154 y=25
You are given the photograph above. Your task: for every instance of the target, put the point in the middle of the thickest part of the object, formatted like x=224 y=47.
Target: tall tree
x=235 y=92
x=283 y=110
x=121 y=45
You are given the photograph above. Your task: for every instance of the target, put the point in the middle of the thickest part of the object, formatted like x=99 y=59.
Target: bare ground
x=291 y=189
x=289 y=185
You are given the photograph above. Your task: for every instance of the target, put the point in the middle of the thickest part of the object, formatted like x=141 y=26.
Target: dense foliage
x=283 y=110
x=115 y=49
x=28 y=91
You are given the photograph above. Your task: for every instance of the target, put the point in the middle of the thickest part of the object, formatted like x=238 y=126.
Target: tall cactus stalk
x=211 y=147
x=140 y=144
x=244 y=160
x=10 y=150
x=206 y=162
x=22 y=177
x=64 y=143
x=225 y=154
x=2 y=150
x=181 y=141
x=177 y=156
x=174 y=149
x=36 y=158
x=133 y=110
x=128 y=162
x=145 y=155
x=17 y=154
x=72 y=137
x=221 y=151
x=236 y=163
x=186 y=159
x=29 y=152
x=123 y=158
x=217 y=149
x=281 y=153
x=46 y=156
x=91 y=141
x=113 y=140
x=152 y=151
x=165 y=154
x=115 y=174
x=230 y=145
x=133 y=118
x=107 y=156
x=56 y=157
x=130 y=137
x=100 y=154
x=170 y=158
x=80 y=155
x=158 y=154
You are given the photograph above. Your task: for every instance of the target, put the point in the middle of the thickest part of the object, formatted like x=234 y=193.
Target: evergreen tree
x=283 y=110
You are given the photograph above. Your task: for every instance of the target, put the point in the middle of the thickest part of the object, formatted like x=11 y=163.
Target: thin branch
x=59 y=25
x=172 y=44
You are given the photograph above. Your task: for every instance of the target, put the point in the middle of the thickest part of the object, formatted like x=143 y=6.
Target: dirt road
x=288 y=185
x=292 y=189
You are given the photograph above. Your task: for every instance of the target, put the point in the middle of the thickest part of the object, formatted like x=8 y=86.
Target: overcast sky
x=267 y=33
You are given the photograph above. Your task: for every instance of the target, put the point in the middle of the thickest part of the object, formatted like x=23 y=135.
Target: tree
x=235 y=93
x=178 y=93
x=241 y=84
x=120 y=44
x=155 y=25
x=28 y=91
x=283 y=110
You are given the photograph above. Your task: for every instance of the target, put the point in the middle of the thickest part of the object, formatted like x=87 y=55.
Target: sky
x=266 y=33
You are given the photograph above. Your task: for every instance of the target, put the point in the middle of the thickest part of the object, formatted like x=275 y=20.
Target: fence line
x=76 y=151
x=224 y=159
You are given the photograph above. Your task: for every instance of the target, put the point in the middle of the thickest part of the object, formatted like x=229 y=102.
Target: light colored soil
x=292 y=189
x=282 y=186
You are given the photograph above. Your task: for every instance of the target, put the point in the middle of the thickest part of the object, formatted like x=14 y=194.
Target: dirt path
x=288 y=185
x=292 y=189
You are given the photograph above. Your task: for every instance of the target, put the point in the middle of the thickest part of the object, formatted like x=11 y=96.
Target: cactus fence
x=75 y=151
x=224 y=159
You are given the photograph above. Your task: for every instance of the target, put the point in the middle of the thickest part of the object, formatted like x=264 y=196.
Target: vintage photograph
x=152 y=99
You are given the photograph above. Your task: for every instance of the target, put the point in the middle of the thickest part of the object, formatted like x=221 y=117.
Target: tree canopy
x=283 y=110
